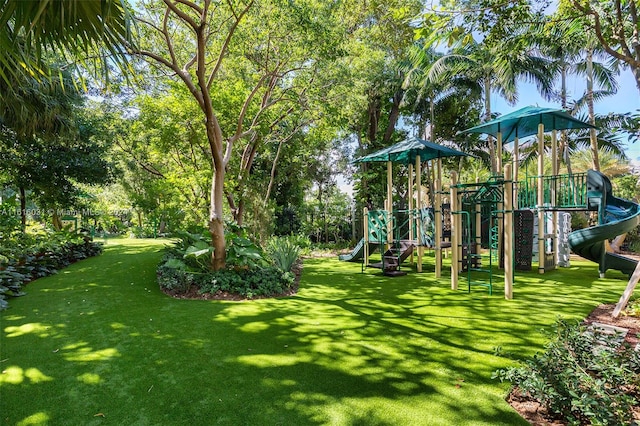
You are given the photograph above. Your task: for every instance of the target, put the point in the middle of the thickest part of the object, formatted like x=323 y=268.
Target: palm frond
x=30 y=28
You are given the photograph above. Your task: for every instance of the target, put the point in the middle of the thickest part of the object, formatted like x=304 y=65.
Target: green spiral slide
x=615 y=217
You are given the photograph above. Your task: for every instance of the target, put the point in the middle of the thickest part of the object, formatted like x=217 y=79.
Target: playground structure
x=500 y=207
x=398 y=235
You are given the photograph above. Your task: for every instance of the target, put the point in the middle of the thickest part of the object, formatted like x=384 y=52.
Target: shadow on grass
x=100 y=342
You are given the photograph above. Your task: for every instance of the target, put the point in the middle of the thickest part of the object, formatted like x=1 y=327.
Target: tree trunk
x=564 y=139
x=487 y=117
x=393 y=115
x=23 y=209
x=374 y=118
x=432 y=118
x=239 y=214
x=55 y=221
x=216 y=222
x=592 y=118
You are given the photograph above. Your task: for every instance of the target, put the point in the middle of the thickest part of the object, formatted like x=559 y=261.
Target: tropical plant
x=89 y=32
x=283 y=252
x=496 y=67
x=27 y=256
x=581 y=377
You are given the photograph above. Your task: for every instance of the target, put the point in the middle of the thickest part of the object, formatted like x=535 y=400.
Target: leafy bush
x=579 y=378
x=633 y=308
x=248 y=283
x=25 y=257
x=176 y=275
x=186 y=239
x=242 y=253
x=247 y=274
x=283 y=252
x=579 y=220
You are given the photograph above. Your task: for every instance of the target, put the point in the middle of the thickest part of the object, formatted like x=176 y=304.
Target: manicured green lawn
x=100 y=344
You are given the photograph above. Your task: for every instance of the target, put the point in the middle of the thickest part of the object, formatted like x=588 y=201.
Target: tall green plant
x=283 y=252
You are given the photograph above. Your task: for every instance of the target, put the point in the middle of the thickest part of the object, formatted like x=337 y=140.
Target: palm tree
x=578 y=142
x=612 y=164
x=28 y=29
x=496 y=69
x=566 y=43
x=426 y=91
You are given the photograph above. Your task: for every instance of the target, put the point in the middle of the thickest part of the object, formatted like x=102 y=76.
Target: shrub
x=241 y=251
x=247 y=274
x=176 y=275
x=283 y=252
x=580 y=378
x=633 y=308
x=25 y=257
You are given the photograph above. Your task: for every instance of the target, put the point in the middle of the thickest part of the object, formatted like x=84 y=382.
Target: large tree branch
x=191 y=5
x=619 y=29
x=190 y=63
x=185 y=17
x=184 y=76
x=635 y=38
x=597 y=26
x=214 y=133
x=149 y=24
x=225 y=45
x=272 y=177
x=167 y=38
x=243 y=112
x=147 y=167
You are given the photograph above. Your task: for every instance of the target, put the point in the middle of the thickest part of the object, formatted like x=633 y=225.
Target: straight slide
x=358 y=252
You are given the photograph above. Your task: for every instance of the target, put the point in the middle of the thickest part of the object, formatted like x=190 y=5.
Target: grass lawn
x=100 y=344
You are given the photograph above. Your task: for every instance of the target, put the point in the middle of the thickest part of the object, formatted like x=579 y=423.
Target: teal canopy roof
x=524 y=122
x=405 y=152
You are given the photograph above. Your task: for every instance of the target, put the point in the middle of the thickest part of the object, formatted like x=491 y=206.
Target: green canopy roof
x=405 y=152
x=524 y=122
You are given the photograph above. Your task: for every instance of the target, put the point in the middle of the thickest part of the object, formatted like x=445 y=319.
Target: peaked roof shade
x=405 y=152
x=524 y=122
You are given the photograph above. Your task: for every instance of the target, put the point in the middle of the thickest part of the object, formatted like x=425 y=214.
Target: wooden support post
x=499 y=151
x=412 y=229
x=365 y=215
x=514 y=171
x=455 y=231
x=541 y=248
x=437 y=217
x=554 y=172
x=419 y=205
x=390 y=202
x=500 y=225
x=477 y=237
x=509 y=248
x=624 y=299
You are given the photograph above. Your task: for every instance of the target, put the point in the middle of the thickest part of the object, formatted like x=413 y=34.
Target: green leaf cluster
x=583 y=377
x=174 y=275
x=28 y=256
x=283 y=252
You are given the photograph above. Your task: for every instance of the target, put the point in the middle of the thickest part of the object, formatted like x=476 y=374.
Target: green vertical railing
x=561 y=191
